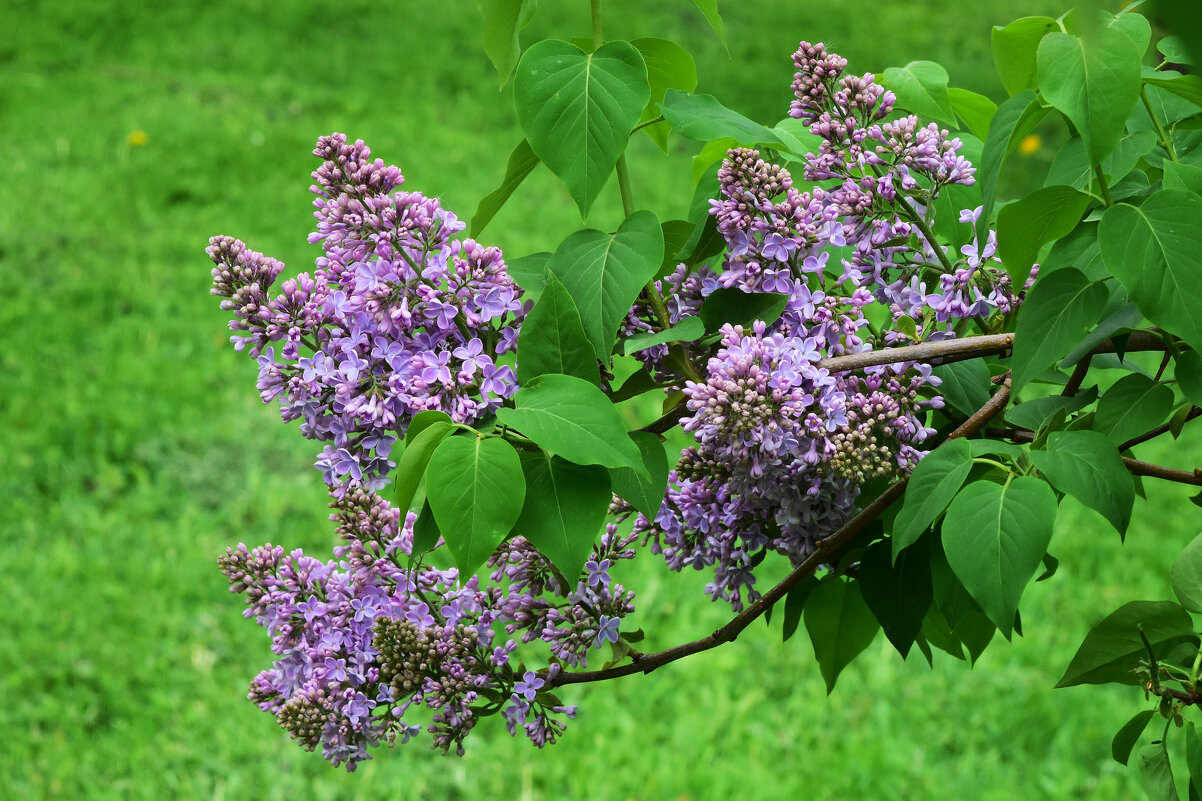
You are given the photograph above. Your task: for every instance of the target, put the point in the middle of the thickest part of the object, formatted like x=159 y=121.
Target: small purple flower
x=607 y=630
x=529 y=686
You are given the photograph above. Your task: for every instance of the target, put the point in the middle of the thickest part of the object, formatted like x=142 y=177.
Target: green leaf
x=1187 y=87
x=709 y=10
x=564 y=511
x=935 y=481
x=921 y=87
x=570 y=417
x=1156 y=774
x=522 y=162
x=1182 y=177
x=1027 y=225
x=1189 y=375
x=702 y=118
x=503 y=21
x=669 y=66
x=1193 y=759
x=1126 y=737
x=423 y=420
x=1132 y=406
x=898 y=595
x=1014 y=49
x=476 y=489
x=552 y=339
x=1174 y=51
x=577 y=109
x=734 y=306
x=840 y=626
x=687 y=330
x=1014 y=119
x=974 y=110
x=1094 y=80
x=1037 y=413
x=604 y=274
x=644 y=493
x=1186 y=576
x=412 y=466
x=1087 y=466
x=981 y=447
x=1153 y=251
x=425 y=531
x=995 y=537
x=965 y=384
x=965 y=620
x=795 y=602
x=1056 y=315
x=530 y=272
x=1114 y=647
x=677 y=234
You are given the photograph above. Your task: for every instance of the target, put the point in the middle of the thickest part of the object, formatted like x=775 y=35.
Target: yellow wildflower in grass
x=137 y=138
x=1030 y=145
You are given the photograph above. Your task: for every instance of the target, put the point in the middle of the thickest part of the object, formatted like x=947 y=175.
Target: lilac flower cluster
x=397 y=318
x=366 y=641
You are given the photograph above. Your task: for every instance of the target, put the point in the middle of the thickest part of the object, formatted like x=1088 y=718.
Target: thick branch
x=827 y=551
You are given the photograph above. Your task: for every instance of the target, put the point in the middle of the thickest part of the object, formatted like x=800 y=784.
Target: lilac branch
x=827 y=551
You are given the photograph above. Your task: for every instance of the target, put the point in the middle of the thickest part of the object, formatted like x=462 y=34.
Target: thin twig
x=1156 y=432
x=1193 y=477
x=826 y=552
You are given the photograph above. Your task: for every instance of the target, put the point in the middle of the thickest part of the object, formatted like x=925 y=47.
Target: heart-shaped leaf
x=564 y=510
x=840 y=625
x=552 y=339
x=1087 y=466
x=1055 y=316
x=476 y=490
x=935 y=481
x=577 y=109
x=994 y=537
x=921 y=87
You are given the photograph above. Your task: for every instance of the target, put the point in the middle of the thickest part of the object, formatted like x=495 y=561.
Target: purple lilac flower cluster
x=366 y=641
x=398 y=317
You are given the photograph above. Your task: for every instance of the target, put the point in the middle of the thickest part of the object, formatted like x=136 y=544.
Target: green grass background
x=134 y=448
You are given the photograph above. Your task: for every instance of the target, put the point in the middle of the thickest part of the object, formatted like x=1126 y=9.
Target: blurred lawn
x=135 y=449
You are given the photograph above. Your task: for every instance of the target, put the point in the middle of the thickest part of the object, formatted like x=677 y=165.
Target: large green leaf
x=1014 y=119
x=840 y=625
x=577 y=109
x=935 y=481
x=1087 y=466
x=530 y=272
x=965 y=621
x=475 y=489
x=1188 y=372
x=733 y=305
x=1132 y=406
x=702 y=118
x=1027 y=225
x=1126 y=737
x=644 y=493
x=1154 y=250
x=552 y=339
x=1037 y=413
x=795 y=602
x=1182 y=177
x=412 y=465
x=995 y=537
x=965 y=384
x=604 y=274
x=503 y=21
x=1188 y=87
x=1156 y=773
x=669 y=66
x=1094 y=80
x=564 y=511
x=570 y=417
x=974 y=110
x=1057 y=313
x=898 y=594
x=921 y=87
x=1014 y=49
x=1114 y=647
x=1186 y=576
x=522 y=162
